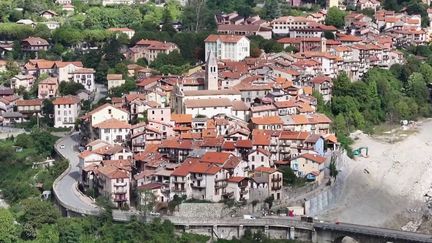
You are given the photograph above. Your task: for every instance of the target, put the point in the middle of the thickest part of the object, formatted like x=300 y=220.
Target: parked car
x=246 y=216
x=155 y=214
x=62 y=146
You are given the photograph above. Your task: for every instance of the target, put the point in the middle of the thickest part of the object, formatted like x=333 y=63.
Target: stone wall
x=202 y=210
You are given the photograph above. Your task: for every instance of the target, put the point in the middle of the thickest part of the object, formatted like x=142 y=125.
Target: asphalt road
x=66 y=190
x=101 y=92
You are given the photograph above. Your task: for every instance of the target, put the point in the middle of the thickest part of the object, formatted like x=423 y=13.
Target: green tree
x=273 y=9
x=333 y=169
x=269 y=200
x=426 y=71
x=47 y=111
x=7 y=226
x=37 y=213
x=69 y=88
x=289 y=177
x=335 y=17
x=68 y=36
x=70 y=230
x=417 y=88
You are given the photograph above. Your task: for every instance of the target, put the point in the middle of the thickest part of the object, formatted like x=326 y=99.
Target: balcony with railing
x=120 y=183
x=120 y=190
x=221 y=184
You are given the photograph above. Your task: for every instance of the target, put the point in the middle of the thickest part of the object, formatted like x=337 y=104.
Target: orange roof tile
x=236 y=179
x=267 y=120
x=215 y=157
x=181 y=118
x=314 y=157
x=224 y=38
x=32 y=102
x=265 y=170
x=66 y=100
x=112 y=123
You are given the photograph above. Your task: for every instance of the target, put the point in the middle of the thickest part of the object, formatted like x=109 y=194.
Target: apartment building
x=66 y=111
x=85 y=76
x=227 y=47
x=283 y=25
x=114 y=183
x=149 y=50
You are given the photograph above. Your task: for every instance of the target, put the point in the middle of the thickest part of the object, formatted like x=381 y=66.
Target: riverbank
x=386 y=188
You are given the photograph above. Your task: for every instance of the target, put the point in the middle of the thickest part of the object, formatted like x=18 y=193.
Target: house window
x=109 y=111
x=253 y=157
x=262 y=158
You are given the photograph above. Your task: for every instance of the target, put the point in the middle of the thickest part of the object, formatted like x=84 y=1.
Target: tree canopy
x=335 y=17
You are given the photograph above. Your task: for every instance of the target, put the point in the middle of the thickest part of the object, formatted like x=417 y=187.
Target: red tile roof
x=112 y=123
x=215 y=157
x=314 y=157
x=33 y=102
x=224 y=38
x=265 y=170
x=66 y=100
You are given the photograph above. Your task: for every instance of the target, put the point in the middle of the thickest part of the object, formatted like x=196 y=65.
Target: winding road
x=65 y=187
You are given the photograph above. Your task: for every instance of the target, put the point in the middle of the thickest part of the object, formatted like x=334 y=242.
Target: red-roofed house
x=113 y=131
x=150 y=49
x=309 y=166
x=259 y=157
x=114 y=183
x=29 y=106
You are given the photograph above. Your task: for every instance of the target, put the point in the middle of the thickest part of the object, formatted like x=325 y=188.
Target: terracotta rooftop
x=224 y=38
x=267 y=120
x=33 y=102
x=265 y=170
x=215 y=157
x=66 y=100
x=314 y=157
x=112 y=123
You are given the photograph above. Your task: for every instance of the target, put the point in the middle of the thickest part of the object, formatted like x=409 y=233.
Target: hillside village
x=228 y=128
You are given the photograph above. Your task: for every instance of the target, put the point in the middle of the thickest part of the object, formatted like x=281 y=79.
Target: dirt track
x=379 y=190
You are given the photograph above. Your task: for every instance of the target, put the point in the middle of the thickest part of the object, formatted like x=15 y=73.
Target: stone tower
x=211 y=75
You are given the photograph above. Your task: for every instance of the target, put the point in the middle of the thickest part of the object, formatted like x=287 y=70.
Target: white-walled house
x=114 y=131
x=66 y=111
x=65 y=70
x=115 y=80
x=114 y=183
x=227 y=47
x=105 y=112
x=25 y=81
x=258 y=158
x=85 y=76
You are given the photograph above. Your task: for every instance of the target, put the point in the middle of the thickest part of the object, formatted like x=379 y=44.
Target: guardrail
x=66 y=172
